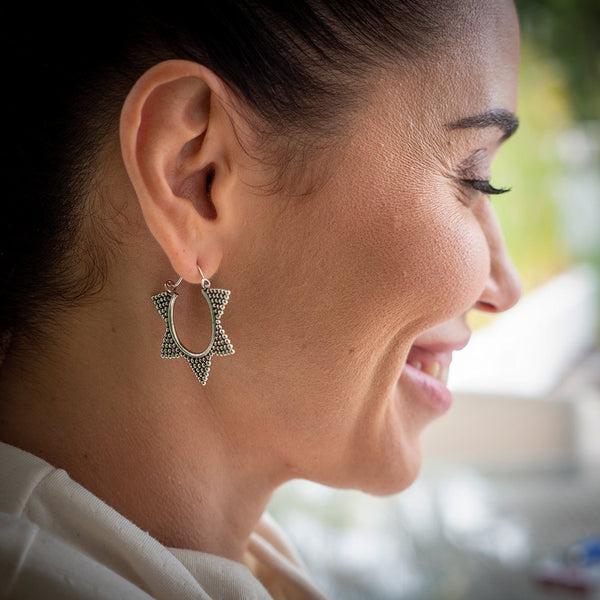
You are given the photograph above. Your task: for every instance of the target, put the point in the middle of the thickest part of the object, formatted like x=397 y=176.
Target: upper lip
x=426 y=352
x=443 y=346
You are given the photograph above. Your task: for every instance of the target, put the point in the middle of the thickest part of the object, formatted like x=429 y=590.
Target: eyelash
x=484 y=186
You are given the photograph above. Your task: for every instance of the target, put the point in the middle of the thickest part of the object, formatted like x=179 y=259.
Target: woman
x=326 y=165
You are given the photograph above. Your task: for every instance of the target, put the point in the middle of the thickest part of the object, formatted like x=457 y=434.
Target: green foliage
x=531 y=166
x=568 y=30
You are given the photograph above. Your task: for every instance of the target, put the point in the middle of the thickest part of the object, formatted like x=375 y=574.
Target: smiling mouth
x=435 y=369
x=431 y=353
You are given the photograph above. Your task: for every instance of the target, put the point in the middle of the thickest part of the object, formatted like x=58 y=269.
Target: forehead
x=476 y=67
x=473 y=69
x=406 y=124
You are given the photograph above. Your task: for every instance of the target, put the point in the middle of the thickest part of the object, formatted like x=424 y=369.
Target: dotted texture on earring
x=171 y=346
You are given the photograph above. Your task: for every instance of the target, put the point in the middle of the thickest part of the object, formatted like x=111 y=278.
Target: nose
x=503 y=287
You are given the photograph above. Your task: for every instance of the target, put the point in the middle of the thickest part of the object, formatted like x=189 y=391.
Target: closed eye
x=485 y=187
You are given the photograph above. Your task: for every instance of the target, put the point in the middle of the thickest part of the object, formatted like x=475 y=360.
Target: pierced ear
x=174 y=141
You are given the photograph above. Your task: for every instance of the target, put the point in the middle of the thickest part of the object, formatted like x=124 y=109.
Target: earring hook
x=171 y=286
x=205 y=282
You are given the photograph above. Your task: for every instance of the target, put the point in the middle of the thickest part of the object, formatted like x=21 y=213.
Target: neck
x=137 y=431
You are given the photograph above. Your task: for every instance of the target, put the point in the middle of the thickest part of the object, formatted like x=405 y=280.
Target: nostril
x=486 y=306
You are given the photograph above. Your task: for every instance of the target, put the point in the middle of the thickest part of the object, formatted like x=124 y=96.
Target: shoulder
x=59 y=541
x=36 y=564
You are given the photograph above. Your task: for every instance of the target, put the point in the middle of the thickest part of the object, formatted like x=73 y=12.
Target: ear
x=175 y=142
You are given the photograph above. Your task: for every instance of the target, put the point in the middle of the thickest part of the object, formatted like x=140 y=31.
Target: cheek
x=401 y=227
x=460 y=265
x=436 y=254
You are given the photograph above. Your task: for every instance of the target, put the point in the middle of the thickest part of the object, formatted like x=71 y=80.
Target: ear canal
x=208 y=208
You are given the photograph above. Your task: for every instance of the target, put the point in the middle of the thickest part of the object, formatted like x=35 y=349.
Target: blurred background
x=507 y=506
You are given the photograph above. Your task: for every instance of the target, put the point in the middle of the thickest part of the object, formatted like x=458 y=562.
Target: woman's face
x=335 y=294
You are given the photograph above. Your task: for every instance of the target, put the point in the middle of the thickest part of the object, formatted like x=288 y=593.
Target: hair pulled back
x=295 y=64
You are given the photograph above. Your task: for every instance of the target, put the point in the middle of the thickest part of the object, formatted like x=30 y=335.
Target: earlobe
x=174 y=148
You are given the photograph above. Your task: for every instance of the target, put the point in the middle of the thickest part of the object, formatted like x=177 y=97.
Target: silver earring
x=219 y=342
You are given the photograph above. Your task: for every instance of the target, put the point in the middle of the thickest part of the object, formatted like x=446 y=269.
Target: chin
x=393 y=474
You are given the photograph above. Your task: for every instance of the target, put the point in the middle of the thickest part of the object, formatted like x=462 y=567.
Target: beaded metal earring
x=219 y=343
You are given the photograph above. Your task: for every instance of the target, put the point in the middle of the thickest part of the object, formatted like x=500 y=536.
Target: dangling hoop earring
x=219 y=342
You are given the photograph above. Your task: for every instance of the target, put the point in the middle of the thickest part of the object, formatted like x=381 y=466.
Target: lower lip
x=433 y=391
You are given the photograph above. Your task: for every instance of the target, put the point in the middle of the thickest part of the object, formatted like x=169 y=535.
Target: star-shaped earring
x=219 y=342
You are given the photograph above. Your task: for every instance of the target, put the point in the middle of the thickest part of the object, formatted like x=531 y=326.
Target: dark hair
x=297 y=65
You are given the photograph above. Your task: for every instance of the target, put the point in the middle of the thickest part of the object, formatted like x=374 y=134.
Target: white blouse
x=59 y=541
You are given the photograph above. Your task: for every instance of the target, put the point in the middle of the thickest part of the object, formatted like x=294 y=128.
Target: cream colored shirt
x=59 y=541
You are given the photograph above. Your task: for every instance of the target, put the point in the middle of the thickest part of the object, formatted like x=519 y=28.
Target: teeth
x=434 y=369
x=444 y=375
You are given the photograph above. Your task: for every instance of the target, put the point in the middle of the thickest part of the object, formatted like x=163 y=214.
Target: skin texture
x=330 y=291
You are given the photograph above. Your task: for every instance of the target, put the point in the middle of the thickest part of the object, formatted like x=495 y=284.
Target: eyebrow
x=498 y=117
